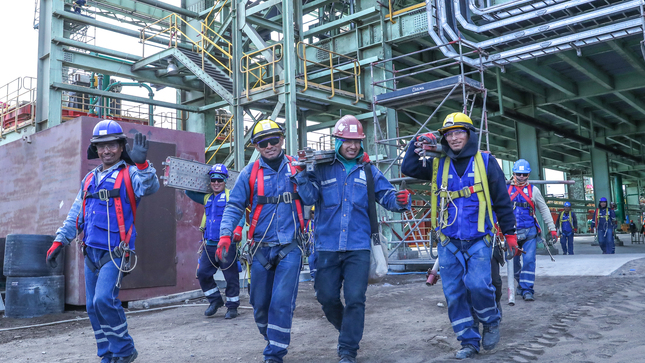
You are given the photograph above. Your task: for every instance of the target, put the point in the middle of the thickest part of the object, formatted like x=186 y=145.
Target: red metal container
x=41 y=176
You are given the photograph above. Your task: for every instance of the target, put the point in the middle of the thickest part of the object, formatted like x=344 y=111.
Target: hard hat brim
x=262 y=134
x=107 y=138
x=448 y=128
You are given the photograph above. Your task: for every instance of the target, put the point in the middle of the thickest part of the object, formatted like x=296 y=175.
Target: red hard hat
x=348 y=127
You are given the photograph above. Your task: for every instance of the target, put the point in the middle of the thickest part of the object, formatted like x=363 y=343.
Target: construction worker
x=340 y=192
x=567 y=223
x=106 y=202
x=276 y=227
x=605 y=220
x=208 y=263
x=525 y=198
x=468 y=186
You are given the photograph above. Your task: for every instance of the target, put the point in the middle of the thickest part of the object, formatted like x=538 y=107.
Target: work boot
x=347 y=359
x=212 y=308
x=231 y=313
x=490 y=336
x=127 y=359
x=106 y=359
x=518 y=292
x=528 y=296
x=467 y=351
x=270 y=361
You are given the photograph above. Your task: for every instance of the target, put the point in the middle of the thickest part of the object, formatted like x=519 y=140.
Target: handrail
x=216 y=14
x=356 y=68
x=174 y=31
x=246 y=70
x=230 y=125
x=404 y=10
x=14 y=100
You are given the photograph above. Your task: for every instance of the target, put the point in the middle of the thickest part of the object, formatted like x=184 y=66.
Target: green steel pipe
x=619 y=198
x=151 y=95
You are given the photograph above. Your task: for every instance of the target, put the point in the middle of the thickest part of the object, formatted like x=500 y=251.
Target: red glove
x=53 y=252
x=511 y=242
x=554 y=236
x=237 y=234
x=366 y=158
x=428 y=137
x=403 y=197
x=575 y=230
x=223 y=244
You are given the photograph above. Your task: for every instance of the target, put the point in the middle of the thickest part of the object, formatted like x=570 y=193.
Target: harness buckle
x=287 y=197
x=103 y=195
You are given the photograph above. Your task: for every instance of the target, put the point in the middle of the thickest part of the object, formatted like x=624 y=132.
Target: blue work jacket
x=341 y=219
x=524 y=215
x=566 y=222
x=94 y=223
x=463 y=213
x=213 y=211
x=605 y=217
x=277 y=222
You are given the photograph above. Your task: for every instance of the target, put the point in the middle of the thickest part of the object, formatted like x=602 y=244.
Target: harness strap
x=286 y=197
x=463 y=257
x=282 y=253
x=114 y=193
x=105 y=259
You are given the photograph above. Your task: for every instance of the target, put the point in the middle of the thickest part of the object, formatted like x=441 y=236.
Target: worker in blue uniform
x=467 y=187
x=107 y=202
x=342 y=235
x=567 y=224
x=276 y=226
x=526 y=198
x=208 y=263
x=605 y=219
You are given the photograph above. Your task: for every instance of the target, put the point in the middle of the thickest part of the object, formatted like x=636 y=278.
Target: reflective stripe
x=360 y=181
x=98 y=332
x=118 y=335
x=101 y=340
x=234 y=298
x=462 y=332
x=527 y=272
x=211 y=292
x=273 y=342
x=115 y=328
x=261 y=325
x=275 y=327
x=529 y=281
x=483 y=311
x=328 y=181
x=470 y=318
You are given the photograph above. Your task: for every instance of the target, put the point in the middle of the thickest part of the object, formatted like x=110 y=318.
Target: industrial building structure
x=560 y=83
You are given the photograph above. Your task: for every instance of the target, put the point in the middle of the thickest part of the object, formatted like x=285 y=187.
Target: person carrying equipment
x=605 y=218
x=525 y=197
x=567 y=223
x=339 y=191
x=276 y=227
x=104 y=209
x=467 y=187
x=208 y=263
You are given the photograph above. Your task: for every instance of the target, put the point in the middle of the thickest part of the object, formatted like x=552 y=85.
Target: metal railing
x=17 y=104
x=228 y=127
x=392 y=13
x=248 y=66
x=333 y=68
x=174 y=32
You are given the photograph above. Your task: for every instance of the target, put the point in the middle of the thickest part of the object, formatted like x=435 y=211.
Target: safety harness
x=528 y=204
x=202 y=226
x=257 y=174
x=606 y=217
x=560 y=220
x=122 y=178
x=480 y=188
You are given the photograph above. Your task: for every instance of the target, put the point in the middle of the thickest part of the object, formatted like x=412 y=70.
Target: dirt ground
x=588 y=319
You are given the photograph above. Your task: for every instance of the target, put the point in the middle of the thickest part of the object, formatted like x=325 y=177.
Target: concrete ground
x=588 y=308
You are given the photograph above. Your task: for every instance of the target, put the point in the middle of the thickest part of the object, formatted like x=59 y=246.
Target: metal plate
x=191 y=175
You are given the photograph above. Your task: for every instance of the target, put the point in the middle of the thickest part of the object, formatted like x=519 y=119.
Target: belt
x=114 y=193
x=286 y=197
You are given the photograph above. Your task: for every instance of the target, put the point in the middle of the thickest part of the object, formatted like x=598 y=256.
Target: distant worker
x=276 y=227
x=632 y=228
x=107 y=201
x=605 y=218
x=340 y=192
x=208 y=262
x=525 y=198
x=567 y=223
x=78 y=5
x=467 y=187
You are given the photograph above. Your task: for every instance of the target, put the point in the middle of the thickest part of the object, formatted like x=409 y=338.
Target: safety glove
x=427 y=139
x=403 y=197
x=139 y=151
x=554 y=236
x=511 y=243
x=366 y=158
x=222 y=247
x=237 y=234
x=53 y=252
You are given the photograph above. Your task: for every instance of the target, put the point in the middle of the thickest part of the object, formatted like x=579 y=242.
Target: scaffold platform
x=428 y=92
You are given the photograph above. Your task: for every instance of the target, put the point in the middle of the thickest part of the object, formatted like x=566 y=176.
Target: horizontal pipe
x=171 y=8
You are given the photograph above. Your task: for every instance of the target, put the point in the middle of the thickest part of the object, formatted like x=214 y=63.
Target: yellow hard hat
x=313 y=208
x=454 y=121
x=264 y=128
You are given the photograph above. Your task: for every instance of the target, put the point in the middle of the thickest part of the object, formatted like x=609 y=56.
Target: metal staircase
x=211 y=75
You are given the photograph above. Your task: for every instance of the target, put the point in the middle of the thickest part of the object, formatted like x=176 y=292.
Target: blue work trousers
x=566 y=241
x=273 y=296
x=468 y=290
x=525 y=268
x=104 y=308
x=350 y=270
x=606 y=241
x=312 y=265
x=207 y=267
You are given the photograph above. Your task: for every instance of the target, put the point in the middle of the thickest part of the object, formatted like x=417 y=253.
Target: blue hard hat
x=107 y=130
x=521 y=166
x=603 y=199
x=218 y=171
x=567 y=204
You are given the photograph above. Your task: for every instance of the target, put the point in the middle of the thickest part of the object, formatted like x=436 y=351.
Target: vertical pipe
x=620 y=199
